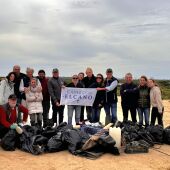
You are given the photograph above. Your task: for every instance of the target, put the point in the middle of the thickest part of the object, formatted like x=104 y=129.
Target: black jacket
x=89 y=81
x=79 y=85
x=100 y=96
x=129 y=94
x=111 y=96
x=17 y=84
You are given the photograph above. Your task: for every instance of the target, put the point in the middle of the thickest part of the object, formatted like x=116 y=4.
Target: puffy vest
x=111 y=96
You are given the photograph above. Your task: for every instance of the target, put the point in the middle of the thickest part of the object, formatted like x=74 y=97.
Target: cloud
x=74 y=34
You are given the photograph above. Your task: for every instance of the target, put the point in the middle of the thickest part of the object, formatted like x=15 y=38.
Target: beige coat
x=156 y=99
x=34 y=101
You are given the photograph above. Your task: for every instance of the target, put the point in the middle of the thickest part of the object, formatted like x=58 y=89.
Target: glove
x=13 y=126
x=19 y=130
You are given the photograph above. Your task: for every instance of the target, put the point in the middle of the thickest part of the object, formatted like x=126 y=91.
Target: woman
x=25 y=83
x=99 y=100
x=34 y=103
x=72 y=108
x=143 y=101
x=7 y=87
x=156 y=102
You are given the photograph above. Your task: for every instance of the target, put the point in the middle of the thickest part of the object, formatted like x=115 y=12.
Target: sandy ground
x=155 y=160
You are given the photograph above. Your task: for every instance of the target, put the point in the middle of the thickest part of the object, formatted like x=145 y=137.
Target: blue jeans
x=143 y=112
x=111 y=112
x=71 y=109
x=95 y=114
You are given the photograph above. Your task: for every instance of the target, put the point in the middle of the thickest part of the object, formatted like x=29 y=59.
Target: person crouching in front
x=8 y=115
x=34 y=102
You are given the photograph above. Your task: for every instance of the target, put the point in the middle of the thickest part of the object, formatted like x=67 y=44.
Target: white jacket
x=34 y=102
x=155 y=98
x=6 y=89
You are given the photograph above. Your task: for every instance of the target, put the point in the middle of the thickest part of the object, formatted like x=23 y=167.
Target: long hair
x=102 y=82
x=9 y=75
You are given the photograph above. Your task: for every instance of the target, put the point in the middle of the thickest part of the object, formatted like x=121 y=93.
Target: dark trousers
x=155 y=114
x=95 y=114
x=59 y=110
x=82 y=114
x=46 y=108
x=132 y=110
x=89 y=113
x=3 y=131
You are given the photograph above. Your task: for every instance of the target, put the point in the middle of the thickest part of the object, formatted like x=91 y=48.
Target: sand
x=18 y=160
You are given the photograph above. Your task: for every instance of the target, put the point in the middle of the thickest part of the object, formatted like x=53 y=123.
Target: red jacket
x=12 y=117
x=44 y=84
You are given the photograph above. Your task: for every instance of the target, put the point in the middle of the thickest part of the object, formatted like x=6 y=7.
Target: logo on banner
x=78 y=96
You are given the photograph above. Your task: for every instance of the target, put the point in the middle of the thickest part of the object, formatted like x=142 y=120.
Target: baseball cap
x=109 y=70
x=12 y=96
x=55 y=70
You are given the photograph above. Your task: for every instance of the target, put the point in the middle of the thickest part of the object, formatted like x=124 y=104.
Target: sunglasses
x=98 y=77
x=74 y=78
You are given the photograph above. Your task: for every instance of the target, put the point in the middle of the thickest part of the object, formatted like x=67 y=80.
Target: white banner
x=78 y=96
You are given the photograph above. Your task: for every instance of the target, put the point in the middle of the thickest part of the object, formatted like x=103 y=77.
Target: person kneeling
x=8 y=116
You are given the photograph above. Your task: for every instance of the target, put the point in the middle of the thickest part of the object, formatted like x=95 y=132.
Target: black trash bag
x=32 y=130
x=32 y=143
x=108 y=145
x=146 y=136
x=49 y=132
x=157 y=133
x=74 y=139
x=8 y=142
x=167 y=135
x=49 y=123
x=63 y=127
x=137 y=147
x=55 y=144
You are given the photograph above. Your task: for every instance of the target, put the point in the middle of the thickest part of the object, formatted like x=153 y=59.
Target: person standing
x=88 y=81
x=129 y=98
x=7 y=87
x=46 y=97
x=19 y=76
x=156 y=102
x=99 y=99
x=55 y=85
x=8 y=115
x=80 y=80
x=34 y=103
x=25 y=83
x=143 y=101
x=76 y=108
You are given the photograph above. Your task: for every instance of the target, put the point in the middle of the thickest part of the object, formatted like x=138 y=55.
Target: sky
x=71 y=35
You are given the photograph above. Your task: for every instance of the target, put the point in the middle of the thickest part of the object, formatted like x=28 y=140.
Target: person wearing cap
x=88 y=81
x=46 y=96
x=110 y=104
x=8 y=115
x=55 y=85
x=71 y=108
x=129 y=98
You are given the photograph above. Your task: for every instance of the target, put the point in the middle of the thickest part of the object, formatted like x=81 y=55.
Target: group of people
x=25 y=94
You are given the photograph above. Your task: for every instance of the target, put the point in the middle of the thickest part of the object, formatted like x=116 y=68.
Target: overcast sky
x=126 y=35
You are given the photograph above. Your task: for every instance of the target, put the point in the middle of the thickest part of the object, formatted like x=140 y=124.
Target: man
x=8 y=115
x=129 y=96
x=88 y=81
x=55 y=85
x=19 y=76
x=46 y=97
x=111 y=100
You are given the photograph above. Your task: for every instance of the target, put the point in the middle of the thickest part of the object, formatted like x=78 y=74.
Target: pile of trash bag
x=35 y=140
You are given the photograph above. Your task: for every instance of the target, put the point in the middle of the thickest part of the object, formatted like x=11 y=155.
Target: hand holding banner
x=78 y=96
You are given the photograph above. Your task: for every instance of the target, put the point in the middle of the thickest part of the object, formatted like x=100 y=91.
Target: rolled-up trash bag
x=115 y=133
